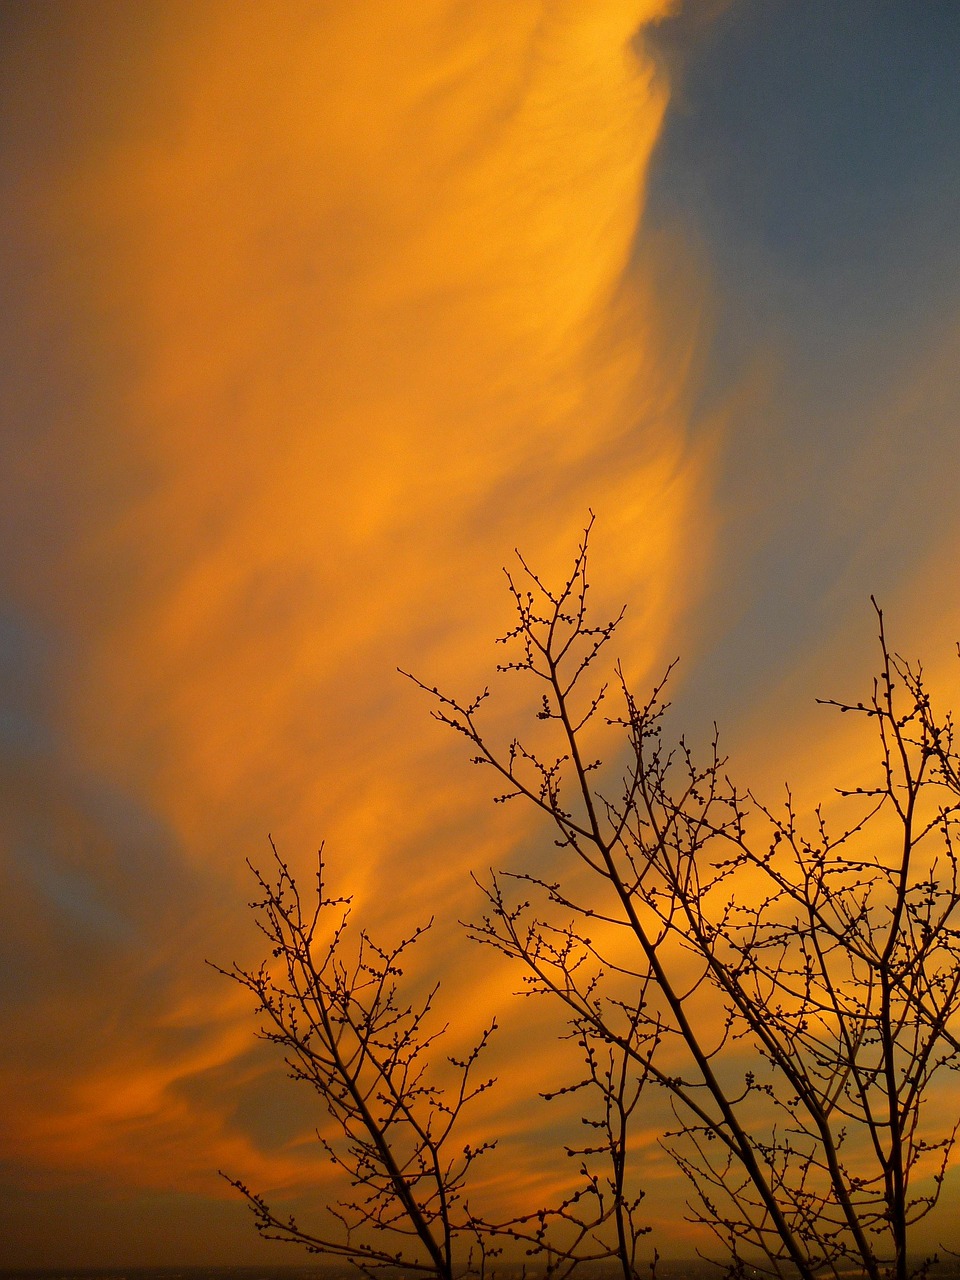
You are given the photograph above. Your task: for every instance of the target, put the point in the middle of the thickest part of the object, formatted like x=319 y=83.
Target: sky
x=313 y=313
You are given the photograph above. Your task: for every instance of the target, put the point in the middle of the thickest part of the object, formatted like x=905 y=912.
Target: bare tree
x=334 y=1004
x=793 y=989
x=790 y=987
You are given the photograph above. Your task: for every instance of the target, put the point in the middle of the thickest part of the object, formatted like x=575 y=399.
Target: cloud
x=327 y=310
x=317 y=313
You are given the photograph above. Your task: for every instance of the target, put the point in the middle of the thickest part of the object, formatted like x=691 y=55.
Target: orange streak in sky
x=360 y=304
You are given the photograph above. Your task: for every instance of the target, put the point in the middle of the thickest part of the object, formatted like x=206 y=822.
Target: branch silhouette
x=334 y=1005
x=790 y=987
x=794 y=990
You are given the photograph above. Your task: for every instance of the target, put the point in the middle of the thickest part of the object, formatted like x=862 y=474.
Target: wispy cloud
x=346 y=306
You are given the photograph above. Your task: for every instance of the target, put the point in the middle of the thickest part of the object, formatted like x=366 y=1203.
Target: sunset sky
x=313 y=312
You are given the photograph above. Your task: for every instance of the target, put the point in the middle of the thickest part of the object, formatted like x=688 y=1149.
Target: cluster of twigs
x=333 y=1004
x=792 y=989
x=336 y=1011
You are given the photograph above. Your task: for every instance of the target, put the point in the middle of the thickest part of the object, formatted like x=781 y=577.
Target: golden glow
x=358 y=300
x=356 y=294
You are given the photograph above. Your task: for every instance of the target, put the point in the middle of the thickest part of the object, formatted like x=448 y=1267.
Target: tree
x=336 y=1011
x=793 y=990
x=334 y=1005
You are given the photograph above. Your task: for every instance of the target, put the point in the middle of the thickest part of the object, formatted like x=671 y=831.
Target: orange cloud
x=359 y=305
